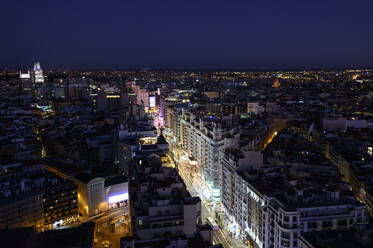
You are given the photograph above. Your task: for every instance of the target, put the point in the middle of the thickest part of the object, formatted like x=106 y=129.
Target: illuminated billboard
x=118 y=198
x=151 y=101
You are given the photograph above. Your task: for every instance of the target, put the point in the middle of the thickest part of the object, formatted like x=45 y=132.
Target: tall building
x=60 y=200
x=161 y=205
x=25 y=84
x=142 y=97
x=276 y=218
x=37 y=74
x=205 y=139
x=271 y=205
x=29 y=79
x=111 y=100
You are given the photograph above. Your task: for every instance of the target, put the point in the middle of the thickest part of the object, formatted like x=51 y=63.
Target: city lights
x=265 y=158
x=118 y=198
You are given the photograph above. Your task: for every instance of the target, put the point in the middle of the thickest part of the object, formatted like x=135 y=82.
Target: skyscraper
x=37 y=74
x=30 y=78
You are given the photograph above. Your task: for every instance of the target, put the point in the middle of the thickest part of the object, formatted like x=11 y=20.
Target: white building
x=262 y=210
x=30 y=78
x=96 y=195
x=37 y=74
x=206 y=140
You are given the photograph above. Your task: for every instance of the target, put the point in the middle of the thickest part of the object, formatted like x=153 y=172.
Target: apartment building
x=205 y=139
x=160 y=206
x=271 y=205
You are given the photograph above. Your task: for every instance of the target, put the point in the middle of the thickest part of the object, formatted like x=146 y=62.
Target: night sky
x=190 y=34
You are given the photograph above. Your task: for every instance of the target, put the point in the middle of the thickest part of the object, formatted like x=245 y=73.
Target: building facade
x=206 y=140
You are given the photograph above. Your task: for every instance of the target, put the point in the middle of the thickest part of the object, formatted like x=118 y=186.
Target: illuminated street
x=194 y=187
x=269 y=139
x=111 y=226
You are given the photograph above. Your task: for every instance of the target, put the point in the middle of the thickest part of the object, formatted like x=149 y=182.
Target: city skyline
x=168 y=35
x=221 y=159
x=186 y=124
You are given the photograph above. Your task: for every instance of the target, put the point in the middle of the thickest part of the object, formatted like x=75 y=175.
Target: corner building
x=272 y=212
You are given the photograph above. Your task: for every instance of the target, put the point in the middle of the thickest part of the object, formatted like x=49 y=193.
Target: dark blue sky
x=186 y=34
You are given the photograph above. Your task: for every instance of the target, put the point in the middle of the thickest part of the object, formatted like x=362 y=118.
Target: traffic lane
x=111 y=235
x=116 y=213
x=205 y=212
x=218 y=234
x=103 y=231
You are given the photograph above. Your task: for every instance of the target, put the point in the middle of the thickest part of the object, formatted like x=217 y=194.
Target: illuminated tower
x=276 y=83
x=30 y=81
x=25 y=83
x=37 y=73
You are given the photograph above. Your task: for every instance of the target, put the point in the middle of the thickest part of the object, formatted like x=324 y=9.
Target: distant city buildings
x=37 y=74
x=187 y=158
x=30 y=79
